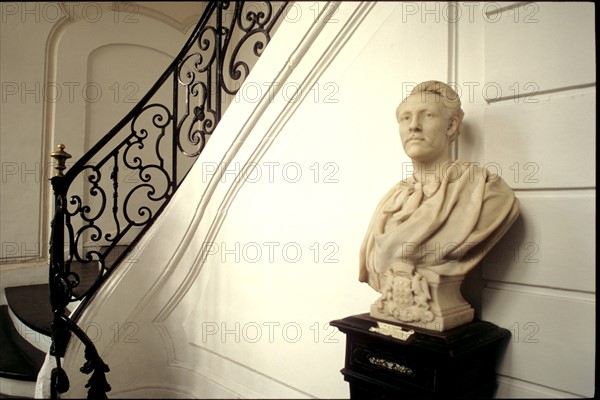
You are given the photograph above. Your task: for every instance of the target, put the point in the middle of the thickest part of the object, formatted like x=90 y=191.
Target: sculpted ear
x=452 y=128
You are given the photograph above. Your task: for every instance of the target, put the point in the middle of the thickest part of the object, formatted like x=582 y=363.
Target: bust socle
x=433 y=227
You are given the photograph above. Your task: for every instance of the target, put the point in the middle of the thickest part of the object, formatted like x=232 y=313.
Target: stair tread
x=19 y=359
x=31 y=304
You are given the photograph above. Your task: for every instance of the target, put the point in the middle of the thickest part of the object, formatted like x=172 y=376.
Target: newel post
x=59 y=288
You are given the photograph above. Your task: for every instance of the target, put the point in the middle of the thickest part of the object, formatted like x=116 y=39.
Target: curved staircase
x=38 y=317
x=26 y=329
x=24 y=338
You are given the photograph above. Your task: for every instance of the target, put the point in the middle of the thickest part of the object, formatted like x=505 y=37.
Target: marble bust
x=434 y=226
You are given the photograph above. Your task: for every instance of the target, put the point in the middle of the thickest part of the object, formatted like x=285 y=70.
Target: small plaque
x=392 y=330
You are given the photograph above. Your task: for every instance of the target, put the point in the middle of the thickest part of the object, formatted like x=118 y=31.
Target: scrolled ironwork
x=114 y=192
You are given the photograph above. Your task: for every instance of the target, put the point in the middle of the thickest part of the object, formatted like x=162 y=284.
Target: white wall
x=197 y=312
x=22 y=49
x=541 y=286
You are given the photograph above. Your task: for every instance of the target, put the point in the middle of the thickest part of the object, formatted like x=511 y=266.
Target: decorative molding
x=344 y=34
x=145 y=391
x=232 y=151
x=516 y=388
x=242 y=389
x=289 y=108
x=48 y=118
x=453 y=56
x=151 y=10
x=160 y=11
x=586 y=297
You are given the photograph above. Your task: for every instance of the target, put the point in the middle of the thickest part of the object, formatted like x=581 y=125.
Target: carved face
x=425 y=128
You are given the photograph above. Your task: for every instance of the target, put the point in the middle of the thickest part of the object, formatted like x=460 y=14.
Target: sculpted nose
x=415 y=124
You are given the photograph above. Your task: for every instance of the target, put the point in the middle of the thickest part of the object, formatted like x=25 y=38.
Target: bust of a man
x=431 y=228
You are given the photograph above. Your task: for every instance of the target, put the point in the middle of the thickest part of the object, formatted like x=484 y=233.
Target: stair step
x=31 y=304
x=18 y=359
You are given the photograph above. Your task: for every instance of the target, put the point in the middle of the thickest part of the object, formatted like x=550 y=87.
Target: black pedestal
x=460 y=362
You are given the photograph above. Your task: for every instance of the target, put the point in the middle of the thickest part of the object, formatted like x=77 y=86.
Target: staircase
x=25 y=330
x=35 y=313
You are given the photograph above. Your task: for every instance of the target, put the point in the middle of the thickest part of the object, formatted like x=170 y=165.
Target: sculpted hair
x=449 y=97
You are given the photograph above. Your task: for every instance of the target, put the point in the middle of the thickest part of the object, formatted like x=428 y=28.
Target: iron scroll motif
x=114 y=192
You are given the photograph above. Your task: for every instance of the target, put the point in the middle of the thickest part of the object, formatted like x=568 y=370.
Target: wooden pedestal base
x=459 y=362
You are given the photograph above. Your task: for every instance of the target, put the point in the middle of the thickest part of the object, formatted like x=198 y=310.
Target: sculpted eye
x=429 y=115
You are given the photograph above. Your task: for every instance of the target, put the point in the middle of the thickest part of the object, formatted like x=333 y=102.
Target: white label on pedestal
x=392 y=330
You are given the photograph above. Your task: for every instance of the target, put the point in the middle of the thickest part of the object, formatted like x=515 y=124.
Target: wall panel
x=551 y=244
x=552 y=336
x=522 y=42
x=543 y=141
x=540 y=136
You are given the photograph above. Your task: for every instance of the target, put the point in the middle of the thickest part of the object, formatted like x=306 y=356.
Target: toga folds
x=446 y=227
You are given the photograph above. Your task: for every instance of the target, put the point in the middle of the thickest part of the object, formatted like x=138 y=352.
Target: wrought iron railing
x=95 y=211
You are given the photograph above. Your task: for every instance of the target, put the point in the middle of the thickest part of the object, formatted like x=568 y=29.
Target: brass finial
x=61 y=157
